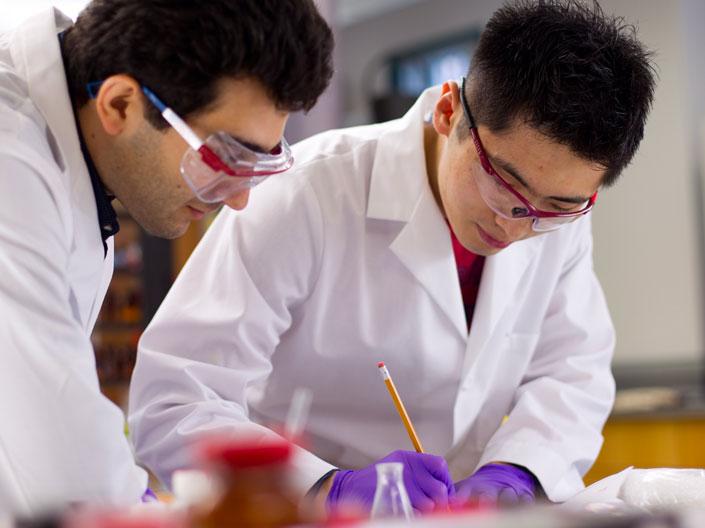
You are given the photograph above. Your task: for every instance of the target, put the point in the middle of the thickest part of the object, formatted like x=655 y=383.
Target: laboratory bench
x=655 y=426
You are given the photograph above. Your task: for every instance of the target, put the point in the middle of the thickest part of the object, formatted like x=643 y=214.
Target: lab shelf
x=142 y=276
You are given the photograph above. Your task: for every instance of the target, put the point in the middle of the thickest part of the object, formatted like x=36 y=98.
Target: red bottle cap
x=239 y=454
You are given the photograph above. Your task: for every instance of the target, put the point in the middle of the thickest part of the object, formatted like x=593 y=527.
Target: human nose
x=515 y=228
x=238 y=200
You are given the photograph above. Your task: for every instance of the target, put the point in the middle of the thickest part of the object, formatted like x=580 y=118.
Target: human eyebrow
x=508 y=167
x=576 y=200
x=253 y=146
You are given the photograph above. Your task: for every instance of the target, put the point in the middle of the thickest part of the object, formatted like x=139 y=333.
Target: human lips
x=196 y=214
x=490 y=240
x=202 y=209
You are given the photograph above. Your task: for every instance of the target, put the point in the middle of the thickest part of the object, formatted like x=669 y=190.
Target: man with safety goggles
x=221 y=166
x=80 y=126
x=508 y=202
x=456 y=249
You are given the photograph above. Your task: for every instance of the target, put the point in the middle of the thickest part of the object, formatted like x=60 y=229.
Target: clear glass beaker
x=391 y=498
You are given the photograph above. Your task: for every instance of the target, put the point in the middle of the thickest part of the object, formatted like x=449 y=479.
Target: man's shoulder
x=330 y=177
x=30 y=161
x=21 y=122
x=32 y=152
x=336 y=147
x=565 y=245
x=24 y=133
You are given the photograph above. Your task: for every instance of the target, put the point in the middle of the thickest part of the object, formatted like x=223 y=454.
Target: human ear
x=446 y=108
x=118 y=103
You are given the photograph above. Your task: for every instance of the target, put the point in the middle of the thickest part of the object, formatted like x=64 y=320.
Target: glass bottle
x=254 y=486
x=391 y=498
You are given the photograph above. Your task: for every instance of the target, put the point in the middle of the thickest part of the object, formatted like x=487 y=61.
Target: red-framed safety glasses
x=504 y=199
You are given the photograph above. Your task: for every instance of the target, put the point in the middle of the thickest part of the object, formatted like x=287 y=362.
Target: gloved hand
x=426 y=478
x=149 y=496
x=494 y=484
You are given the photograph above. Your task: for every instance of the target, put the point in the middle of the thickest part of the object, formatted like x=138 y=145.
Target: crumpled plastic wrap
x=646 y=490
x=664 y=488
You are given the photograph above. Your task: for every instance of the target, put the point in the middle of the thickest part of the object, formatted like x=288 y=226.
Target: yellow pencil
x=400 y=407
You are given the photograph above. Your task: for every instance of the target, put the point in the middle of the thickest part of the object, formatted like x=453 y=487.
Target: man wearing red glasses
x=173 y=108
x=456 y=248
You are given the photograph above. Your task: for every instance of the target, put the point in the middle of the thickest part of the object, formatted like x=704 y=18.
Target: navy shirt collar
x=107 y=217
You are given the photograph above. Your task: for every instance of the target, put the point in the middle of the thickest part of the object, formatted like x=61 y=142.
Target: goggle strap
x=174 y=120
x=153 y=98
x=182 y=129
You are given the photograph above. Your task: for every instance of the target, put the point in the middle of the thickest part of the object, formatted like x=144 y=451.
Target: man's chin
x=167 y=230
x=478 y=248
x=484 y=251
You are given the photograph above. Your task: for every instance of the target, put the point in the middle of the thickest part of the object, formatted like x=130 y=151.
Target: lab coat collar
x=400 y=191
x=399 y=169
x=37 y=57
x=502 y=277
x=107 y=217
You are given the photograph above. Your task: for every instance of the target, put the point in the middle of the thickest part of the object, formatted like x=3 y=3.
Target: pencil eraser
x=380 y=364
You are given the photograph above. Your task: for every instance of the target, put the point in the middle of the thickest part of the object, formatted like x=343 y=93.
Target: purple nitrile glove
x=149 y=496
x=426 y=478
x=497 y=484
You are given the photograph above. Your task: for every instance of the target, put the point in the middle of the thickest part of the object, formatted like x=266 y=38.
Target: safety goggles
x=504 y=199
x=220 y=166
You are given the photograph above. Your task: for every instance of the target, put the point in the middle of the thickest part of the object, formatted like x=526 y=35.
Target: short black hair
x=180 y=49
x=570 y=71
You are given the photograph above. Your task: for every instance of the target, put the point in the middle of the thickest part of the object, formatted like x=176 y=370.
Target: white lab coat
x=60 y=439
x=346 y=261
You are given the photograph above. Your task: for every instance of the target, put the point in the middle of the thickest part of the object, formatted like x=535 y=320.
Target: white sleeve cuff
x=308 y=468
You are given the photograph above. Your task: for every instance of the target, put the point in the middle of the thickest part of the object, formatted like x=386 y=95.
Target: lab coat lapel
x=399 y=191
x=501 y=279
x=424 y=247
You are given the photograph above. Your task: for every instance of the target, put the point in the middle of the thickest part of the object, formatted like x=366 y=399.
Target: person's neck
x=432 y=143
x=93 y=137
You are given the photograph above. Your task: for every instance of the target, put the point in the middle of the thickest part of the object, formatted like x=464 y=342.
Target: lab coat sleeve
x=554 y=428
x=211 y=342
x=61 y=441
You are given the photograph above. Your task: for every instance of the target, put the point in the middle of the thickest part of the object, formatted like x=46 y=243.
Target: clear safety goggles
x=505 y=200
x=220 y=166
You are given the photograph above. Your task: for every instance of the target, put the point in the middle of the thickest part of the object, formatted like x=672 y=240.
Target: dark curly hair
x=570 y=71
x=180 y=49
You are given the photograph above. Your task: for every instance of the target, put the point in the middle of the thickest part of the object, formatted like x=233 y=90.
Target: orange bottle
x=254 y=489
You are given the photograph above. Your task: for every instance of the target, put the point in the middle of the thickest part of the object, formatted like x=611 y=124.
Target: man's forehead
x=259 y=139
x=574 y=186
x=244 y=109
x=547 y=167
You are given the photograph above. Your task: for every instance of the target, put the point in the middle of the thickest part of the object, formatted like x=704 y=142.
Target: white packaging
x=664 y=488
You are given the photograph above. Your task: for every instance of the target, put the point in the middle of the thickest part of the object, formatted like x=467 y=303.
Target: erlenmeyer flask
x=391 y=499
